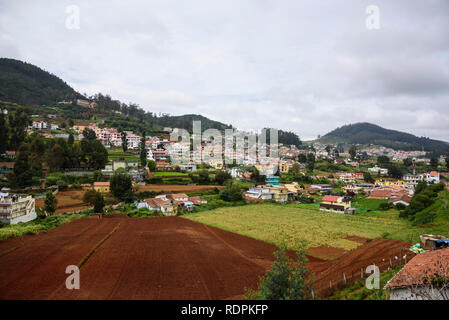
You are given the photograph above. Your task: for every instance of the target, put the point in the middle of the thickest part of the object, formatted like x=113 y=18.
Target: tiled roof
x=421 y=267
x=98 y=184
x=331 y=198
x=177 y=196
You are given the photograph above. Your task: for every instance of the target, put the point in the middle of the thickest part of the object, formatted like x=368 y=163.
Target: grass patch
x=290 y=224
x=358 y=291
x=372 y=204
x=39 y=225
x=169 y=174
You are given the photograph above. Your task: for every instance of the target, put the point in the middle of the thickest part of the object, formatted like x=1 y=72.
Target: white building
x=40 y=125
x=132 y=140
x=15 y=209
x=259 y=193
x=381 y=171
x=432 y=177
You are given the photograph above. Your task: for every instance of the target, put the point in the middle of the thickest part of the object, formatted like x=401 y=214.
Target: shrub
x=423 y=218
x=400 y=206
x=385 y=206
x=287 y=280
x=231 y=193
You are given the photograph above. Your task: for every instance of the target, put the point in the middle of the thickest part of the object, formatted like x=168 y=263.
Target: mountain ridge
x=367 y=133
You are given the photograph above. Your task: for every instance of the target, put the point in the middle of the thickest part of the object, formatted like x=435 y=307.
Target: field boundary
x=92 y=251
x=4 y=253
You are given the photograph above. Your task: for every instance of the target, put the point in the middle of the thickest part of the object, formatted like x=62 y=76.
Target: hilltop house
x=15 y=208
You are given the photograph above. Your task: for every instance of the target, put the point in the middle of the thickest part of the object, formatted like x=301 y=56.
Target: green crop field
x=372 y=204
x=169 y=173
x=118 y=154
x=290 y=224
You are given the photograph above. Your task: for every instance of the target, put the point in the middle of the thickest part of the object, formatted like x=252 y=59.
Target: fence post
x=344 y=277
x=330 y=284
x=361 y=273
x=313 y=295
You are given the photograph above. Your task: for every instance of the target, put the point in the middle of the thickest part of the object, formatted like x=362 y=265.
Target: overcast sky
x=305 y=66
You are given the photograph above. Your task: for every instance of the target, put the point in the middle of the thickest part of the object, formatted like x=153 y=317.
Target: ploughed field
x=132 y=258
x=68 y=201
x=164 y=258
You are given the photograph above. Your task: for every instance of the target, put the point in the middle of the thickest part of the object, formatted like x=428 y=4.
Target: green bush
x=423 y=218
x=287 y=280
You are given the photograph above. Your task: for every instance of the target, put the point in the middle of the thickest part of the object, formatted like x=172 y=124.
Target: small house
x=416 y=280
x=102 y=187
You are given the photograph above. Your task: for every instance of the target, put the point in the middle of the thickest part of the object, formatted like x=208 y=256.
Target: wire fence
x=330 y=285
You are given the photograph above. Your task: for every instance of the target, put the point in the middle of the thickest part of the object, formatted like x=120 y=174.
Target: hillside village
x=62 y=167
x=326 y=174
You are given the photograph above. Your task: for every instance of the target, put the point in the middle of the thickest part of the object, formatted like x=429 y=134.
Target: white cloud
x=304 y=66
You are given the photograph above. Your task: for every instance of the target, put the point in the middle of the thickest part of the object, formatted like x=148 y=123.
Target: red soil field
x=326 y=252
x=172 y=258
x=155 y=258
x=36 y=266
x=161 y=258
x=68 y=201
x=376 y=251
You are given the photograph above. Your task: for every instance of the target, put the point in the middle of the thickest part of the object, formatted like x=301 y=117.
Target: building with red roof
x=415 y=280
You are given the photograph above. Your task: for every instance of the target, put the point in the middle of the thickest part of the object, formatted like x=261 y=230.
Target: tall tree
x=71 y=139
x=143 y=151
x=310 y=164
x=353 y=151
x=55 y=157
x=3 y=133
x=124 y=142
x=447 y=162
x=295 y=169
x=434 y=163
x=50 y=202
x=152 y=165
x=383 y=161
x=89 y=134
x=22 y=175
x=18 y=122
x=121 y=186
x=98 y=156
x=408 y=162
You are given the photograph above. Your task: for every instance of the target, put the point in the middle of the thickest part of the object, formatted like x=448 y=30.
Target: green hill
x=367 y=133
x=26 y=84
